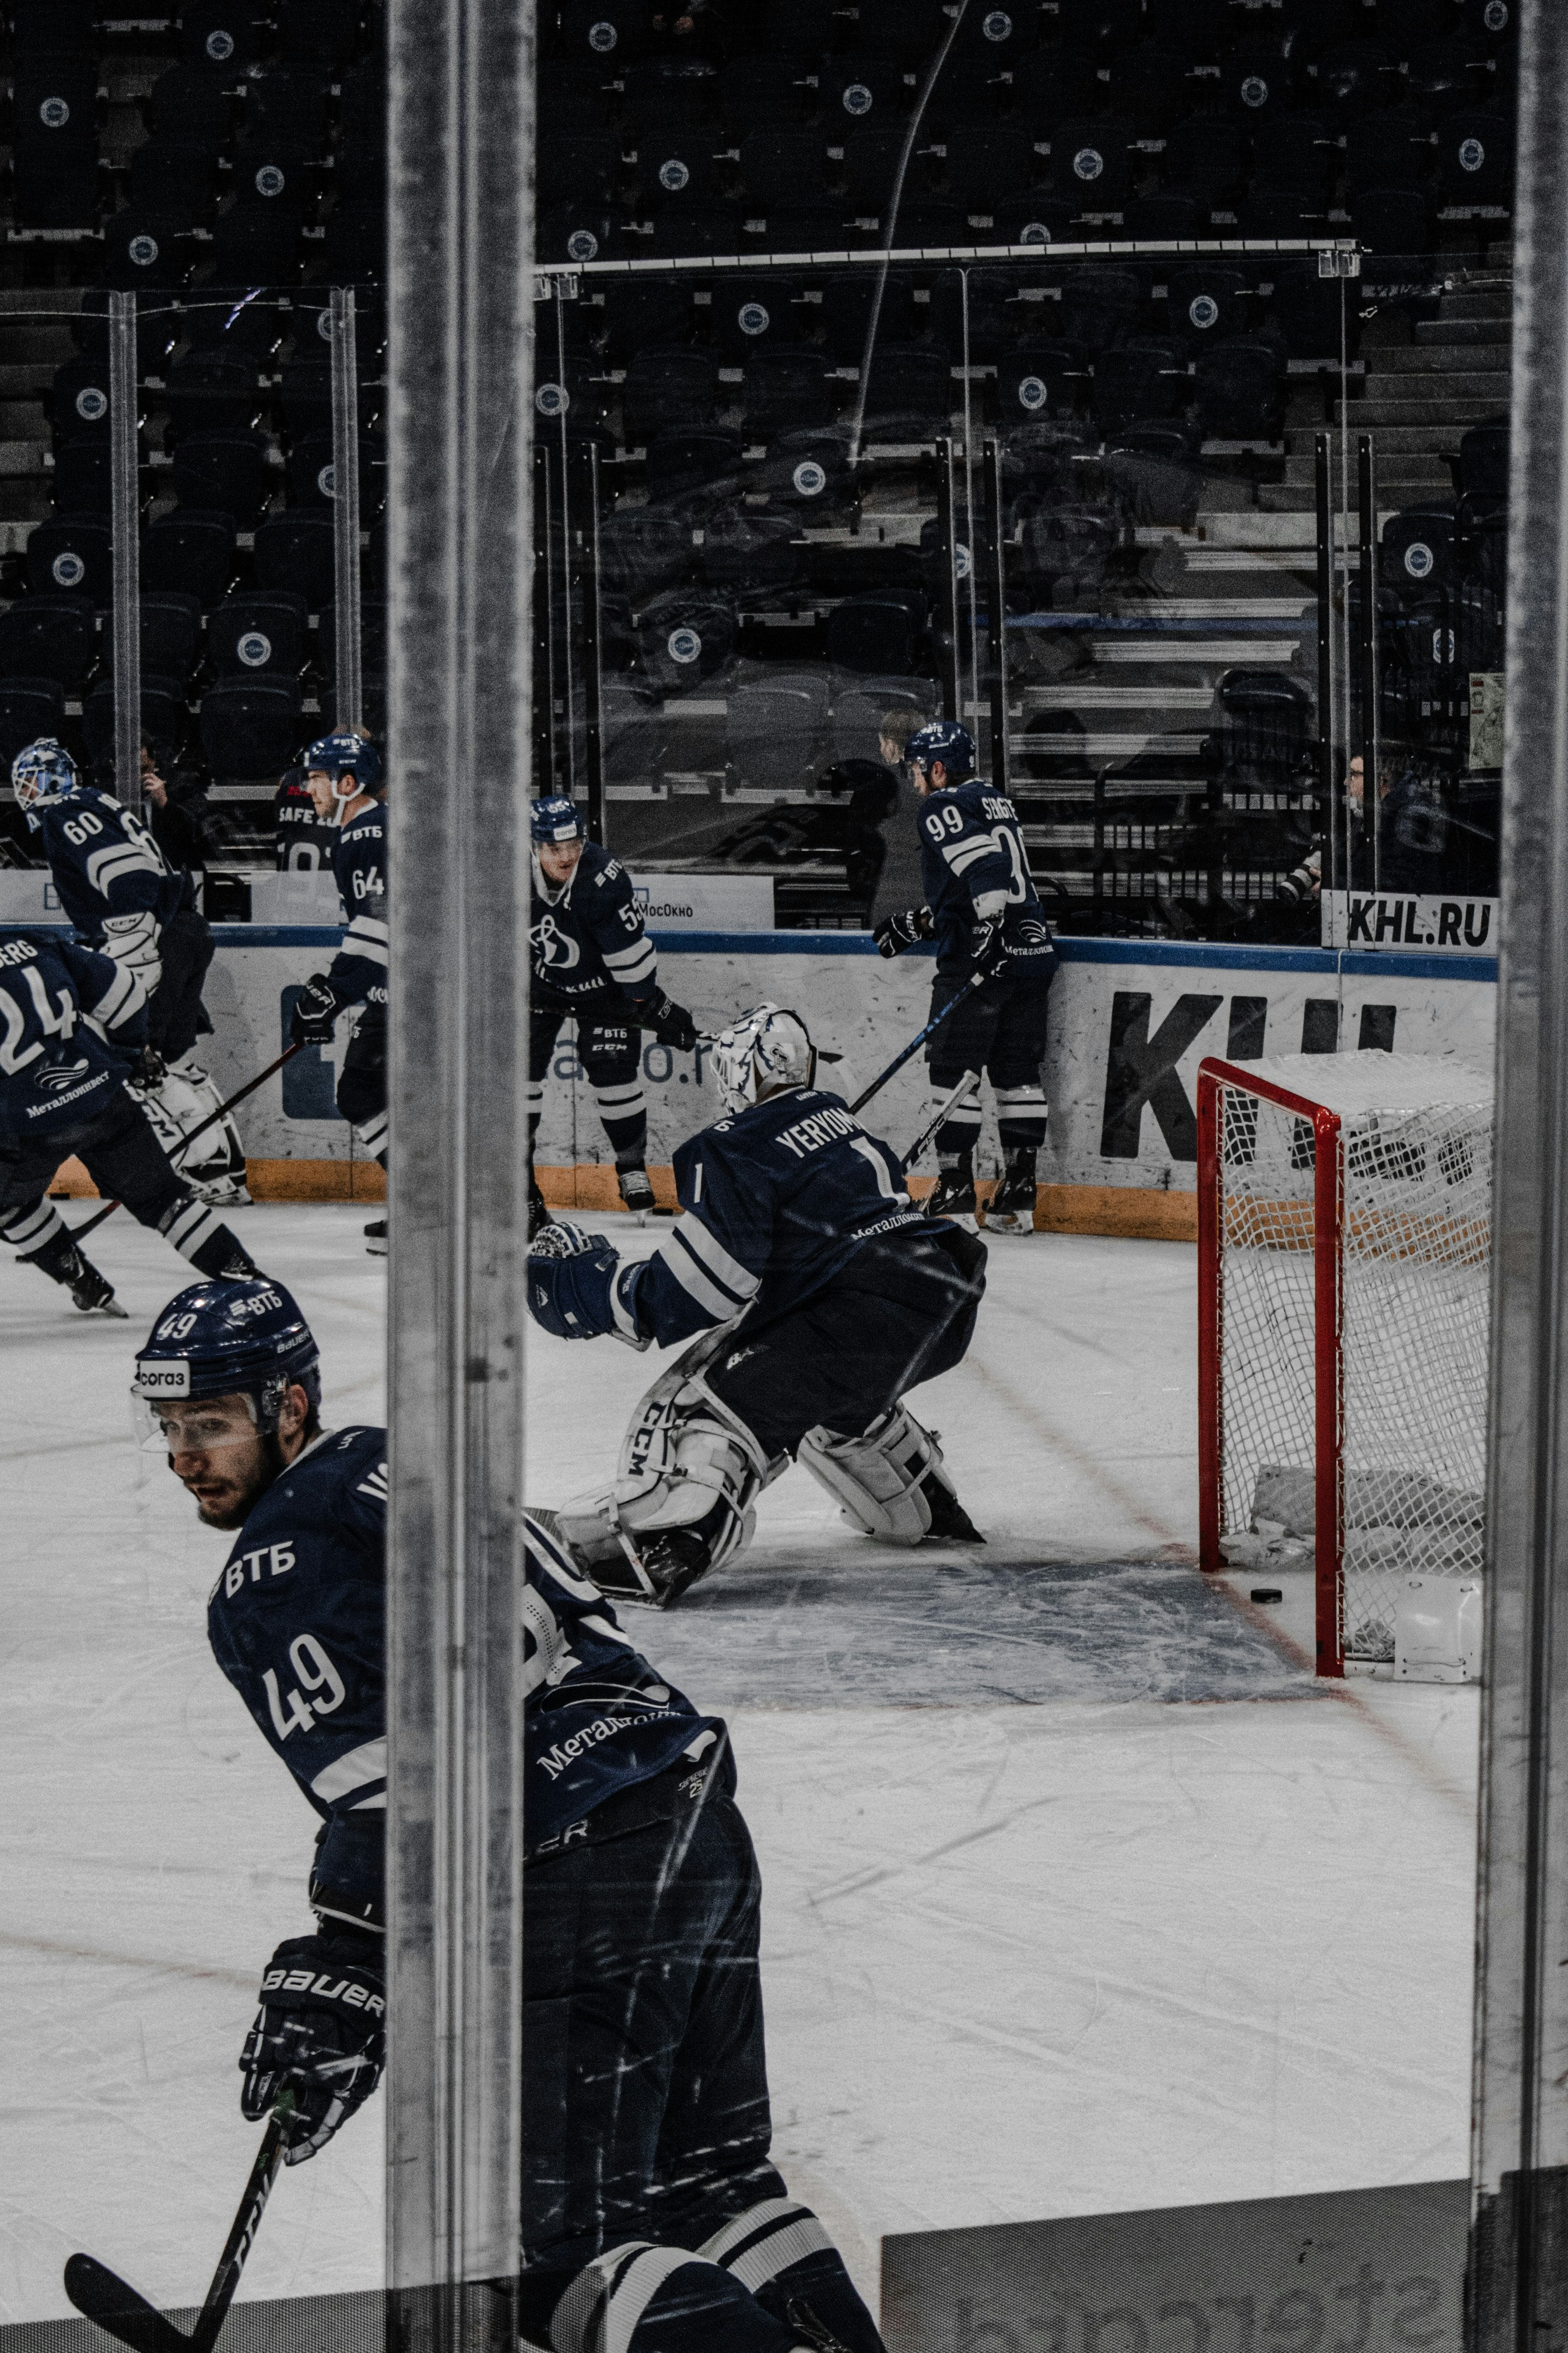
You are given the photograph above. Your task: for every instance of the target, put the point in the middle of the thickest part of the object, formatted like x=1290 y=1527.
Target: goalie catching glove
x=319 y=2035
x=905 y=929
x=672 y=1025
x=315 y=1014
x=578 y=1289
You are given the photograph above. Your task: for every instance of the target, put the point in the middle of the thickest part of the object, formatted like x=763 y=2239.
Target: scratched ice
x=1080 y=1895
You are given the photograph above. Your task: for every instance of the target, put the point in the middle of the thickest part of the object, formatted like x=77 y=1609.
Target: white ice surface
x=1020 y=1960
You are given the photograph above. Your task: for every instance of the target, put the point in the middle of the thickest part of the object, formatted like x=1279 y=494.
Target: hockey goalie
x=815 y=1294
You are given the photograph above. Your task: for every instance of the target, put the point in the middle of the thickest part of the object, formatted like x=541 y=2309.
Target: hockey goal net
x=1344 y=1243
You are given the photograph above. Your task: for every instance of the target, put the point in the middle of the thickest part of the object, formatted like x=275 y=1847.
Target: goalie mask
x=41 y=773
x=765 y=1051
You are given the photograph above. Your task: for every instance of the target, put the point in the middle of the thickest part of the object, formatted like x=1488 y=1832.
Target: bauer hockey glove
x=986 y=951
x=672 y=1025
x=583 y=1293
x=315 y=1014
x=320 y=2034
x=896 y=933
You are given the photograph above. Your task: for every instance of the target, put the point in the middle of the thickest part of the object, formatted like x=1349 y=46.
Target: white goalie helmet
x=763 y=1050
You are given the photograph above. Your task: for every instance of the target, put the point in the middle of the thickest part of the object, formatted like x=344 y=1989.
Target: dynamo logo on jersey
x=555 y=949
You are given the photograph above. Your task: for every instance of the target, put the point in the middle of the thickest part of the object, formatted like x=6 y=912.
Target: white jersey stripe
x=678 y=1258
x=355 y=1771
x=704 y=1243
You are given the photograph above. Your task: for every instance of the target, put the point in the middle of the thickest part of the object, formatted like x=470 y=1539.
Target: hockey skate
x=1011 y=1208
x=375 y=1237
x=955 y=1197
x=948 y=1520
x=637 y=1195
x=65 y=1264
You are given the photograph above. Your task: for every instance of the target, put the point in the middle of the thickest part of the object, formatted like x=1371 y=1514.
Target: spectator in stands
x=176 y=812
x=1412 y=826
x=694 y=29
x=897 y=880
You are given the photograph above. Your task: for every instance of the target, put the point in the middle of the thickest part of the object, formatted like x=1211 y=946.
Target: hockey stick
x=191 y=1134
x=965 y=1086
x=116 y=2309
x=975 y=980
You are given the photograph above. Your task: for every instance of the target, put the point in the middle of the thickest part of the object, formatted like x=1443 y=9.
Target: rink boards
x=1130 y=1022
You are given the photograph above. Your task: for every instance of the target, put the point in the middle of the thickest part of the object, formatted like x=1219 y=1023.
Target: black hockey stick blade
x=975 y=980
x=115 y=2308
x=88 y=1225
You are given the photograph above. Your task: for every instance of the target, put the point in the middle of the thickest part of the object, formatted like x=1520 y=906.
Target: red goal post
x=1344 y=1206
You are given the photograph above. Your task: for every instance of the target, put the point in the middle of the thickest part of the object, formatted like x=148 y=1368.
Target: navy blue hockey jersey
x=359 y=971
x=302 y=842
x=588 y=940
x=296 y=1621
x=103 y=862
x=974 y=867
x=70 y=1018
x=777 y=1198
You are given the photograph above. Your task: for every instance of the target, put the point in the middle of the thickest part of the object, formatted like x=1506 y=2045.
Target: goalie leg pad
x=690 y=1471
x=882 y=1479
x=189 y=1096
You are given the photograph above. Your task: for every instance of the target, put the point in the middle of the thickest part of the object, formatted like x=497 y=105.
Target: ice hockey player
x=343 y=773
x=75 y=1023
x=652 y=2219
x=821 y=1295
x=982 y=911
x=122 y=898
x=592 y=959
x=301 y=842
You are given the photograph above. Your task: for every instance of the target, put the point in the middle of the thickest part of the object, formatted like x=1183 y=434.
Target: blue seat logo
x=582 y=244
x=684 y=645
x=68 y=569
x=255 y=650
x=752 y=319
x=92 y=405
x=1033 y=393
x=1089 y=163
x=1419 y=559
x=857 y=98
x=54 y=114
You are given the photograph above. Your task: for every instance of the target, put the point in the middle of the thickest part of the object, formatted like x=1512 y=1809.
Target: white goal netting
x=1415 y=1150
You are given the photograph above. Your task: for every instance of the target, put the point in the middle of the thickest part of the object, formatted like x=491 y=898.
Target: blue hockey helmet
x=943 y=740
x=554 y=820
x=345 y=754
x=223 y=1339
x=41 y=773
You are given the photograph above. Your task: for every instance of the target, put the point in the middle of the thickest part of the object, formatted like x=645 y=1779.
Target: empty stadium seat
x=1038 y=380
x=908 y=380
x=870 y=168
x=1263 y=724
x=1392 y=220
x=260 y=633
x=992 y=167
x=190 y=550
x=754 y=91
x=73 y=554
x=1091 y=161
x=250 y=727
x=1483 y=461
x=1204 y=304
x=1416 y=551
x=748 y=553
x=648 y=313
x=643 y=550
x=689 y=460
x=165 y=718
x=685 y=638
x=1098 y=307
x=295 y=551
x=214 y=33
x=311 y=482
x=1356 y=77
x=227 y=472
x=1481 y=543
x=1475 y=157
x=807 y=475
x=860 y=705
x=973 y=314
x=667 y=389
x=171 y=633
x=774 y=729
x=749 y=314
x=1239 y=388
x=55 y=141
x=192 y=105
x=785 y=388
x=1147 y=378
x=256 y=245
x=1257 y=81
x=49 y=637
x=683 y=231
x=82 y=481
x=289 y=102
x=881 y=630
x=213 y=392
x=1207 y=156
x=29 y=707
x=320 y=31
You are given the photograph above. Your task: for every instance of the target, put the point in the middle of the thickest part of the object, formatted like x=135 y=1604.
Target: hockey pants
x=176 y=1016
x=652 y=2218
x=124 y=1157
x=1000 y=1032
x=609 y=1052
x=362 y=1082
x=899 y=1313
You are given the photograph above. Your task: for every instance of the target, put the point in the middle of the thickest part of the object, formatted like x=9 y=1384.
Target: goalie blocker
x=821 y=1295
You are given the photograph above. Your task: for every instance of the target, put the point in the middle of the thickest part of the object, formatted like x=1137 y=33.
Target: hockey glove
x=561 y=1239
x=896 y=933
x=132 y=943
x=148 y=1070
x=986 y=952
x=315 y=1014
x=320 y=2034
x=672 y=1025
x=585 y=1295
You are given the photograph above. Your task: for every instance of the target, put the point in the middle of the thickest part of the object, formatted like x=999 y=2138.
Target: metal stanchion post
x=125 y=504
x=345 y=507
x=461 y=96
